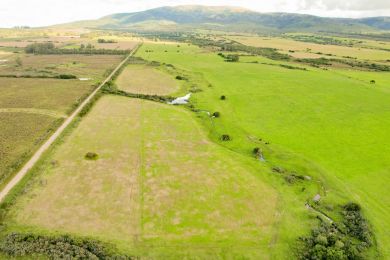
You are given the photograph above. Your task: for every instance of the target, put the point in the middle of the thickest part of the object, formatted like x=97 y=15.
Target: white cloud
x=46 y=12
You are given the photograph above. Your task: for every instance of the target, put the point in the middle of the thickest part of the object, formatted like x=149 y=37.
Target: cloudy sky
x=48 y=12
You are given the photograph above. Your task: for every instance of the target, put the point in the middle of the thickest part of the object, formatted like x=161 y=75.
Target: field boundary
x=45 y=146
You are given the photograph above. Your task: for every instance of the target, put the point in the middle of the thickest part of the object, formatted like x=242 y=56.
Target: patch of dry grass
x=145 y=79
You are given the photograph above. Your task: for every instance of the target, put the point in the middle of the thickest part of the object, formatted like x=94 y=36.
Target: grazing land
x=93 y=67
x=158 y=184
x=144 y=79
x=338 y=124
x=308 y=48
x=279 y=149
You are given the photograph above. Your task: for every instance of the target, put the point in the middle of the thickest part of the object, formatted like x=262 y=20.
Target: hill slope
x=232 y=19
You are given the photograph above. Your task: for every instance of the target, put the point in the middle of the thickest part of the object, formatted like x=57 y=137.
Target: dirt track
x=37 y=155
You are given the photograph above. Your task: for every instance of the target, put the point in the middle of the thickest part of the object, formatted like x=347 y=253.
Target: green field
x=335 y=124
x=309 y=49
x=179 y=182
x=159 y=184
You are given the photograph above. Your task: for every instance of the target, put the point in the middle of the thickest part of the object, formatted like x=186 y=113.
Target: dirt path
x=37 y=155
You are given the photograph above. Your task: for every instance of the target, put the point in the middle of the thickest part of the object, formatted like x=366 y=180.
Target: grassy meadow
x=309 y=50
x=158 y=184
x=183 y=182
x=144 y=79
x=329 y=124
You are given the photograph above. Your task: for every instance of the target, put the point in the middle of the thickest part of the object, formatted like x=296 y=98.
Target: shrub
x=329 y=241
x=372 y=82
x=223 y=98
x=66 y=76
x=232 y=58
x=225 y=138
x=91 y=156
x=63 y=247
x=181 y=77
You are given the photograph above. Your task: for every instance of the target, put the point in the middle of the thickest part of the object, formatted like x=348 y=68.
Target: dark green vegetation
x=49 y=48
x=346 y=240
x=185 y=18
x=63 y=247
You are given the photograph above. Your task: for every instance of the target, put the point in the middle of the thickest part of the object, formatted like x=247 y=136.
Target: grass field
x=337 y=123
x=158 y=185
x=146 y=79
x=31 y=108
x=309 y=48
x=20 y=133
x=82 y=66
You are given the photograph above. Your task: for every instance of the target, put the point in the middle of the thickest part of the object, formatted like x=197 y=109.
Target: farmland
x=146 y=80
x=307 y=49
x=338 y=124
x=32 y=104
x=147 y=186
x=278 y=149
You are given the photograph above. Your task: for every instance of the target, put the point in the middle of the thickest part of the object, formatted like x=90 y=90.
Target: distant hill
x=223 y=18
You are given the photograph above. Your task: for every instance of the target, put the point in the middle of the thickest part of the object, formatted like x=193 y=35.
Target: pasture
x=158 y=184
x=325 y=123
x=144 y=79
x=82 y=66
x=301 y=48
x=31 y=108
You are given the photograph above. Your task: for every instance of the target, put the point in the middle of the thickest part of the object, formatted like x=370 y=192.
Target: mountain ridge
x=190 y=17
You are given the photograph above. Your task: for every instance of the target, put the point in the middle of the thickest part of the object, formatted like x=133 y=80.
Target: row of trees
x=49 y=48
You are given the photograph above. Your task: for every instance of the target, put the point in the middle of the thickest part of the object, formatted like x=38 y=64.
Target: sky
x=49 y=12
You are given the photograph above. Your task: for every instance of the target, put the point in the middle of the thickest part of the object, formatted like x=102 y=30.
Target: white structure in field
x=181 y=100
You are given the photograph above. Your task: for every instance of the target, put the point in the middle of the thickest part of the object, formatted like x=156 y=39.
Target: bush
x=181 y=77
x=331 y=241
x=66 y=76
x=232 y=58
x=63 y=247
x=91 y=156
x=223 y=97
x=225 y=138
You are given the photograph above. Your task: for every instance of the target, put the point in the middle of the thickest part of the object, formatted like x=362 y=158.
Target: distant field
x=82 y=66
x=304 y=47
x=158 y=185
x=146 y=79
x=338 y=125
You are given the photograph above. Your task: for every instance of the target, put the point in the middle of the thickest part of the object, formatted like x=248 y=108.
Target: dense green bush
x=66 y=76
x=346 y=240
x=216 y=114
x=225 y=138
x=63 y=247
x=106 y=41
x=91 y=156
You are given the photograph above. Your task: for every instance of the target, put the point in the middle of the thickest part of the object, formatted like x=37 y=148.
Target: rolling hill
x=183 y=18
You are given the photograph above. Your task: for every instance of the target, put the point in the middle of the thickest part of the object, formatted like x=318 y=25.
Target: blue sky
x=48 y=12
